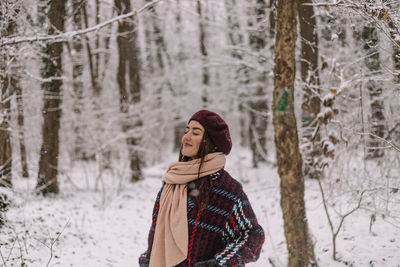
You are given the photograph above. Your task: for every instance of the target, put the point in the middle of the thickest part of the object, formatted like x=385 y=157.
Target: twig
x=271 y=262
x=12 y=248
x=54 y=241
x=69 y=35
x=383 y=139
x=2 y=258
x=343 y=217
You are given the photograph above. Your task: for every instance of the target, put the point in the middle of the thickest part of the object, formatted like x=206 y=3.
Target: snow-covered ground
x=108 y=227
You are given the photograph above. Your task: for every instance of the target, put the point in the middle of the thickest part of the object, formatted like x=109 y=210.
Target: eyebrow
x=194 y=128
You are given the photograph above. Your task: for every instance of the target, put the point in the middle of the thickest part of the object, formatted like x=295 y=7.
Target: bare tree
x=92 y=65
x=236 y=41
x=52 y=88
x=11 y=86
x=394 y=132
x=6 y=82
x=377 y=118
x=21 y=130
x=203 y=52
x=258 y=101
x=5 y=133
x=311 y=105
x=128 y=78
x=299 y=244
x=77 y=55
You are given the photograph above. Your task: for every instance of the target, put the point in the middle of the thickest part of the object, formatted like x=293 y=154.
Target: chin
x=189 y=155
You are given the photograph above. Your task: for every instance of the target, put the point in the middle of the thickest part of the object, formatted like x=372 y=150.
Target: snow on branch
x=69 y=35
x=380 y=12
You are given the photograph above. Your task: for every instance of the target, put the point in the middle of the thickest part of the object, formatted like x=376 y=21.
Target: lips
x=187 y=145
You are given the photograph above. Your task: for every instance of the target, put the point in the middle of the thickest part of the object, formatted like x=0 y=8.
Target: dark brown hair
x=203 y=185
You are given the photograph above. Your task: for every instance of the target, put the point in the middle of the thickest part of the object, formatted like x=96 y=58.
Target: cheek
x=198 y=142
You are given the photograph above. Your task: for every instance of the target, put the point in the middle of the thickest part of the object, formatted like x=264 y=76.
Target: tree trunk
x=311 y=105
x=5 y=133
x=162 y=56
x=93 y=76
x=6 y=29
x=272 y=17
x=299 y=244
x=204 y=54
x=236 y=40
x=258 y=101
x=129 y=83
x=395 y=130
x=377 y=118
x=21 y=130
x=49 y=152
x=97 y=42
x=77 y=57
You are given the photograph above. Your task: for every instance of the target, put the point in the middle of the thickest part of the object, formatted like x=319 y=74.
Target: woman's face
x=191 y=140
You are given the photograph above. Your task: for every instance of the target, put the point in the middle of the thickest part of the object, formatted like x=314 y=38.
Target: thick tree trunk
x=129 y=83
x=49 y=152
x=311 y=105
x=299 y=244
x=204 y=54
x=377 y=118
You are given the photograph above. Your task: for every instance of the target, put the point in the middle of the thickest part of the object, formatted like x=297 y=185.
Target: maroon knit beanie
x=216 y=129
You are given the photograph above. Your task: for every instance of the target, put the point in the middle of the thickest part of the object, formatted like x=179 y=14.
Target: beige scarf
x=171 y=238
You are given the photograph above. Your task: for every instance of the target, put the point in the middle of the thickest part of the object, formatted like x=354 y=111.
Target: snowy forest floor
x=108 y=227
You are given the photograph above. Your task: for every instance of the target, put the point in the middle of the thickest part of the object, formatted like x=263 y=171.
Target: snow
x=109 y=226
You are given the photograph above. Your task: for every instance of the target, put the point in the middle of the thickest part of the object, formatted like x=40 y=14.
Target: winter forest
x=96 y=94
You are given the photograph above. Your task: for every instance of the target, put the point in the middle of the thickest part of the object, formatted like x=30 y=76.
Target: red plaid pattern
x=226 y=230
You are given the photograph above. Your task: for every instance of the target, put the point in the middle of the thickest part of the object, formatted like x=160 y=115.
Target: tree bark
x=21 y=130
x=299 y=244
x=236 y=40
x=204 y=54
x=5 y=133
x=377 y=118
x=93 y=75
x=52 y=93
x=258 y=101
x=129 y=83
x=10 y=85
x=311 y=105
x=6 y=29
x=77 y=57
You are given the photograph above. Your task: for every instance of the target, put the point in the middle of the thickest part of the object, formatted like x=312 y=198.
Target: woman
x=202 y=217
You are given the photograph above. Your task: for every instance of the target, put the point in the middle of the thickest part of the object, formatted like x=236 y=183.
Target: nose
x=186 y=136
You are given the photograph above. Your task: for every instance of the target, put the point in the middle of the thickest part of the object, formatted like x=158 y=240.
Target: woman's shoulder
x=226 y=184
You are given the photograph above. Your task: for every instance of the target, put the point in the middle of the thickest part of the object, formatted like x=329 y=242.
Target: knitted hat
x=216 y=129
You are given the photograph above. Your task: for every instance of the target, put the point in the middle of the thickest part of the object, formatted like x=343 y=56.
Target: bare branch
x=2 y=258
x=69 y=35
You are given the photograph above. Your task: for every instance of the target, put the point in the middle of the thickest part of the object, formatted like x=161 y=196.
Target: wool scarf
x=171 y=238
